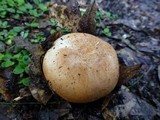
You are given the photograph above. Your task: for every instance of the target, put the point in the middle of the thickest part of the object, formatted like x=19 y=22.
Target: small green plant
x=40 y=5
x=107 y=32
x=38 y=38
x=24 y=81
x=99 y=15
x=16 y=7
x=22 y=59
x=4 y=24
x=18 y=61
x=21 y=18
x=57 y=27
x=32 y=24
x=25 y=34
x=109 y=15
x=53 y=23
x=102 y=15
x=8 y=35
x=6 y=59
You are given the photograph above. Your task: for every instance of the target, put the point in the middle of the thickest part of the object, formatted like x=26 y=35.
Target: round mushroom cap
x=81 y=67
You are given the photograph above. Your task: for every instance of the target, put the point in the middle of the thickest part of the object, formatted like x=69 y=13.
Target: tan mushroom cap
x=81 y=67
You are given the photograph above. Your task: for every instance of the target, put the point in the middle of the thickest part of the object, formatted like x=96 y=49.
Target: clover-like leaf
x=18 y=69
x=24 y=81
x=7 y=63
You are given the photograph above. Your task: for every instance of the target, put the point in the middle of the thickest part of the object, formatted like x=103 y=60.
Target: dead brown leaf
x=38 y=87
x=108 y=115
x=48 y=43
x=127 y=72
x=4 y=91
x=23 y=92
x=87 y=23
x=106 y=101
x=157 y=31
x=69 y=16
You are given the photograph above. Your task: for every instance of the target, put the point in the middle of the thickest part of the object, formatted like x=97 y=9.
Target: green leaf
x=16 y=49
x=7 y=56
x=13 y=32
x=1 y=56
x=3 y=14
x=22 y=9
x=11 y=3
x=4 y=24
x=16 y=56
x=25 y=34
x=42 y=7
x=34 y=13
x=20 y=2
x=24 y=52
x=24 y=81
x=19 y=12
x=10 y=10
x=17 y=29
x=53 y=22
x=1 y=8
x=52 y=31
x=39 y=37
x=26 y=59
x=33 y=24
x=36 y=1
x=9 y=41
x=65 y=30
x=3 y=2
x=107 y=32
x=6 y=64
x=28 y=6
x=99 y=15
x=20 y=59
x=1 y=38
x=16 y=16
x=18 y=69
x=108 y=14
x=98 y=25
x=26 y=70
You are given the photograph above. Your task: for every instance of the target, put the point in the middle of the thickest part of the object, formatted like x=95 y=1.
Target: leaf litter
x=69 y=16
x=4 y=91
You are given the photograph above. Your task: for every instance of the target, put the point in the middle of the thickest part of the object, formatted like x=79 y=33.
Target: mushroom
x=81 y=68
